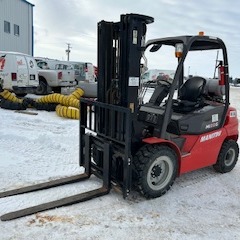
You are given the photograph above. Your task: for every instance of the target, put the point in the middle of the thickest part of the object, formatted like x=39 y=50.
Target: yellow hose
x=68 y=112
x=10 y=96
x=78 y=93
x=68 y=105
x=69 y=101
x=59 y=98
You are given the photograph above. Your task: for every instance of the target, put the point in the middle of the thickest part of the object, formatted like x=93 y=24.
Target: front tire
x=227 y=157
x=155 y=170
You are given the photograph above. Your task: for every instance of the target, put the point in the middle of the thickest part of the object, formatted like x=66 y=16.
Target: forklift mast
x=120 y=46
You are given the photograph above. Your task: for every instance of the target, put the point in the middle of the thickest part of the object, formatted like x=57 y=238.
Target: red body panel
x=231 y=123
x=202 y=150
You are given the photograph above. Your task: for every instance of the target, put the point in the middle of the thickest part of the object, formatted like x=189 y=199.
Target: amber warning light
x=178 y=50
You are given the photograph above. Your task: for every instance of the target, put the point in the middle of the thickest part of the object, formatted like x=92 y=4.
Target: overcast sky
x=57 y=23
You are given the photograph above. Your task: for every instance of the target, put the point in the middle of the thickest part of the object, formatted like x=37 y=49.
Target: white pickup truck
x=55 y=76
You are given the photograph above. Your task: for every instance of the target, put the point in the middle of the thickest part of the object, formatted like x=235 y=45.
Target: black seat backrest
x=192 y=89
x=160 y=92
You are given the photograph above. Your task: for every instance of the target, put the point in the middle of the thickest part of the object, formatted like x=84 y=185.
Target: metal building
x=16 y=26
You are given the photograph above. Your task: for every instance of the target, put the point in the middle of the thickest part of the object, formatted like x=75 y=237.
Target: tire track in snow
x=195 y=177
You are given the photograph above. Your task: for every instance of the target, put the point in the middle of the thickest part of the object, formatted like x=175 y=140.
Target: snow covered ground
x=34 y=148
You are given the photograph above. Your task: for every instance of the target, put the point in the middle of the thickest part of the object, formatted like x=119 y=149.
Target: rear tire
x=155 y=170
x=228 y=157
x=42 y=88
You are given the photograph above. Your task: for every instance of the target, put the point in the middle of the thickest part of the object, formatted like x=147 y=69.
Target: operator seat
x=190 y=95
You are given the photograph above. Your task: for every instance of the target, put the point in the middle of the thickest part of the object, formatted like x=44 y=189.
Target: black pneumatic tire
x=228 y=157
x=155 y=169
x=21 y=94
x=6 y=104
x=41 y=88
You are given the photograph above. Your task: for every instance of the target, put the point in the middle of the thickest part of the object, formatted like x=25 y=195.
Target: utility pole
x=68 y=50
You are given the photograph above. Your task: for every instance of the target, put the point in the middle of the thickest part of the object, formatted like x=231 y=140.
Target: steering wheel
x=164 y=82
x=163 y=79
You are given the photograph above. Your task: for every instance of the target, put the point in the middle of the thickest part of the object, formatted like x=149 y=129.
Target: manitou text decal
x=214 y=122
x=210 y=136
x=212 y=125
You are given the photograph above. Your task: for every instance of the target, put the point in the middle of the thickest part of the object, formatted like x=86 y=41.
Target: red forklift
x=130 y=143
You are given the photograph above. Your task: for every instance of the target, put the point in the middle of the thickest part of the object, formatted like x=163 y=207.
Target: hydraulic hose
x=65 y=106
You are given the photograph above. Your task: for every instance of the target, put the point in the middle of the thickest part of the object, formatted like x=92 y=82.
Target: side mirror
x=155 y=47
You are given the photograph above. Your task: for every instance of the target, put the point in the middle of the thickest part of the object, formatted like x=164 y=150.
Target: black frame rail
x=107 y=123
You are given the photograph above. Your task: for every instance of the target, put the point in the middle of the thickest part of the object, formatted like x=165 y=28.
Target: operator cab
x=190 y=104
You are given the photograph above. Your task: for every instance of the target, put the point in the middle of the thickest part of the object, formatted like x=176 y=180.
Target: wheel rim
x=160 y=173
x=230 y=157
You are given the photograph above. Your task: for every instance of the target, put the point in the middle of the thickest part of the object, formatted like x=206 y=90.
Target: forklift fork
x=67 y=200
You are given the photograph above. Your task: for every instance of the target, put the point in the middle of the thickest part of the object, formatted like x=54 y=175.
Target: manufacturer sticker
x=23 y=76
x=215 y=118
x=135 y=35
x=133 y=81
x=210 y=136
x=233 y=114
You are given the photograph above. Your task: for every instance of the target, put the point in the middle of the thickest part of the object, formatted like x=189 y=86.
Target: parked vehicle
x=89 y=88
x=84 y=71
x=54 y=64
x=236 y=82
x=85 y=76
x=18 y=72
x=55 y=75
x=153 y=75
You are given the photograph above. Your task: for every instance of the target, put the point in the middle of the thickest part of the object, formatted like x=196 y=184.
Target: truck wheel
x=42 y=88
x=155 y=170
x=227 y=157
x=56 y=89
x=21 y=94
